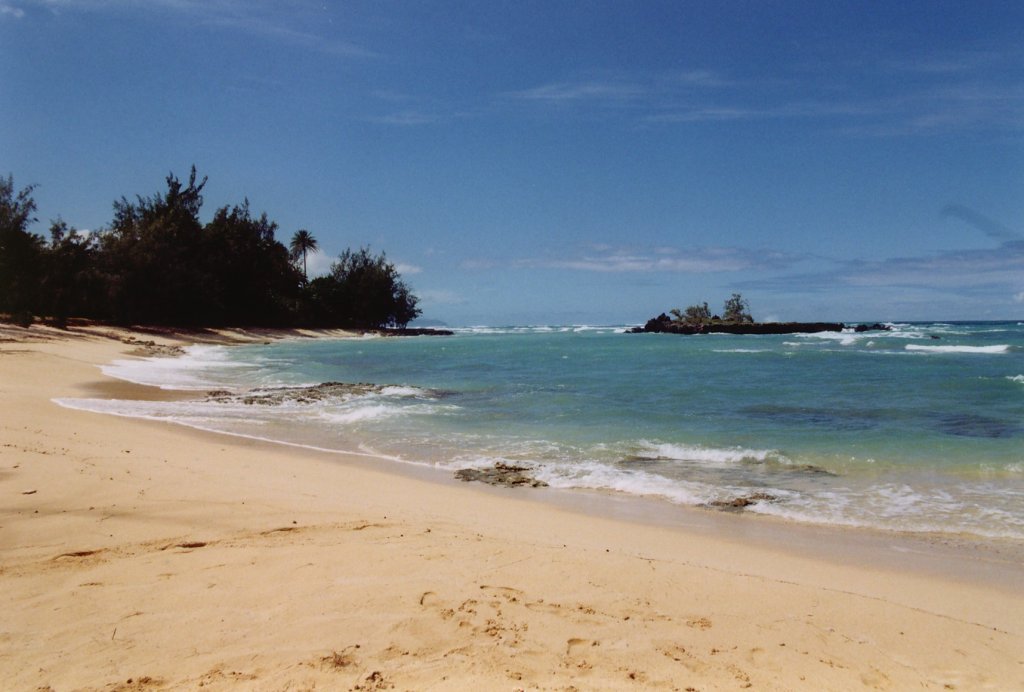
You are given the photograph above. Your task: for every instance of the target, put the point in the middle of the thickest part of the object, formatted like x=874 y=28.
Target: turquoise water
x=916 y=429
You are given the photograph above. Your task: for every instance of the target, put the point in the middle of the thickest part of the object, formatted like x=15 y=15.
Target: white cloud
x=319 y=263
x=983 y=272
x=1019 y=298
x=952 y=92
x=440 y=297
x=702 y=260
x=568 y=91
x=702 y=78
x=296 y=23
x=407 y=269
x=406 y=118
x=9 y=11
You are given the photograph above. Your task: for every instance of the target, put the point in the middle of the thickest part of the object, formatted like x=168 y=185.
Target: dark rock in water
x=501 y=474
x=740 y=503
x=812 y=470
x=274 y=396
x=655 y=325
x=876 y=327
x=663 y=324
x=414 y=331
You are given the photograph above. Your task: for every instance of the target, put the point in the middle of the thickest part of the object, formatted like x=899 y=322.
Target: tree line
x=157 y=263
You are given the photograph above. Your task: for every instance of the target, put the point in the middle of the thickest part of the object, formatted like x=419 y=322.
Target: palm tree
x=302 y=242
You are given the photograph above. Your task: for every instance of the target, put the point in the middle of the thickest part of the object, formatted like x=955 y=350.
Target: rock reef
x=413 y=331
x=275 y=396
x=508 y=475
x=663 y=324
x=740 y=503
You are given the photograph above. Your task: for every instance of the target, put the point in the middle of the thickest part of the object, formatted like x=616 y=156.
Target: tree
x=362 y=291
x=694 y=315
x=250 y=278
x=157 y=263
x=71 y=283
x=153 y=257
x=302 y=242
x=737 y=309
x=20 y=252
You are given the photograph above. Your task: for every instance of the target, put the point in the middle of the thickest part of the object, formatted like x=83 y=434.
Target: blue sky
x=559 y=162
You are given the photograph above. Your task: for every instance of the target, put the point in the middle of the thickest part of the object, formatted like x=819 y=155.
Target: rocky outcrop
x=876 y=327
x=414 y=331
x=501 y=473
x=740 y=503
x=275 y=396
x=151 y=348
x=663 y=324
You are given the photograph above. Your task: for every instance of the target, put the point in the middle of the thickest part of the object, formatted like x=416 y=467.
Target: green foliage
x=362 y=291
x=737 y=309
x=152 y=257
x=249 y=278
x=302 y=243
x=158 y=263
x=20 y=251
x=693 y=315
x=71 y=282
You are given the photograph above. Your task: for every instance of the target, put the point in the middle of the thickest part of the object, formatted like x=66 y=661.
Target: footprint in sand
x=577 y=646
x=191 y=545
x=506 y=592
x=76 y=553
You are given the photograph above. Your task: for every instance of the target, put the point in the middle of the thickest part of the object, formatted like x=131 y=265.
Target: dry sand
x=141 y=555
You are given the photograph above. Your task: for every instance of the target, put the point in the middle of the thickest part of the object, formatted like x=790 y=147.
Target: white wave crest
x=1019 y=379
x=189 y=372
x=541 y=329
x=708 y=455
x=845 y=338
x=361 y=414
x=995 y=348
x=405 y=391
x=597 y=476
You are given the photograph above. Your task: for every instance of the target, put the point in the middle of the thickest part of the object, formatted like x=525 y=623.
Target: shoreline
x=993 y=560
x=965 y=558
x=390 y=562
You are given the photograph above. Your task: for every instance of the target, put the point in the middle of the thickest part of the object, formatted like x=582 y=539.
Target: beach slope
x=139 y=555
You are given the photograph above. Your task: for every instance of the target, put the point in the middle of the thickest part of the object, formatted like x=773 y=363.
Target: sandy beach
x=138 y=555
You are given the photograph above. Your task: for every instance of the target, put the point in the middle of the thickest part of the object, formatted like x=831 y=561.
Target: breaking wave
x=996 y=348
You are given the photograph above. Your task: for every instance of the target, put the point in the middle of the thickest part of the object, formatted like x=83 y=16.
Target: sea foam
x=707 y=455
x=996 y=348
x=191 y=371
x=596 y=476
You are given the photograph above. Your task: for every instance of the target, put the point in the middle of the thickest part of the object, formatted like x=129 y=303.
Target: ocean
x=918 y=429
